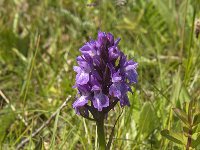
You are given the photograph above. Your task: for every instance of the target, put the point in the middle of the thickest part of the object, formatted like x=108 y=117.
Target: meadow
x=39 y=43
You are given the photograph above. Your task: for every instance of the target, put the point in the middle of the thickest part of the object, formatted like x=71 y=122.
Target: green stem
x=189 y=140
x=101 y=134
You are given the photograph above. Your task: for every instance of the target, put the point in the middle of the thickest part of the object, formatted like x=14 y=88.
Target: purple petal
x=124 y=101
x=89 y=48
x=85 y=48
x=131 y=65
x=113 y=53
x=102 y=38
x=113 y=91
x=96 y=88
x=122 y=60
x=118 y=89
x=84 y=89
x=117 y=41
x=96 y=60
x=82 y=78
x=110 y=38
x=100 y=100
x=86 y=66
x=132 y=76
x=130 y=71
x=96 y=75
x=81 y=101
x=116 y=77
x=77 y=69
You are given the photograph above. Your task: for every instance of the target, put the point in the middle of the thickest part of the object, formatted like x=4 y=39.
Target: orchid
x=104 y=77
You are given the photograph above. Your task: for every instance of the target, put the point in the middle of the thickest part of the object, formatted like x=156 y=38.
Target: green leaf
x=196 y=120
x=184 y=94
x=148 y=120
x=176 y=88
x=181 y=115
x=180 y=93
x=196 y=142
x=194 y=129
x=6 y=119
x=173 y=136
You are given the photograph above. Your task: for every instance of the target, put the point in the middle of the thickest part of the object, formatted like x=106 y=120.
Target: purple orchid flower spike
x=104 y=77
x=100 y=80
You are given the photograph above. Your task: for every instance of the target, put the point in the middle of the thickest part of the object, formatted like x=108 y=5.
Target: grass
x=39 y=42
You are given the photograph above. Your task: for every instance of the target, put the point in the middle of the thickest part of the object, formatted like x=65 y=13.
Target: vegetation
x=39 y=43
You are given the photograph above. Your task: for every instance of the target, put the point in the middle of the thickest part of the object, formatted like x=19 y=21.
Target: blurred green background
x=39 y=43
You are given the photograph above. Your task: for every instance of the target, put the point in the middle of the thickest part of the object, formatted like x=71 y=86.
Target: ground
x=39 y=43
